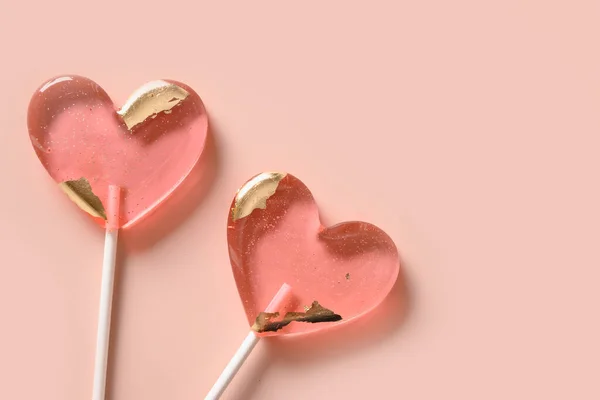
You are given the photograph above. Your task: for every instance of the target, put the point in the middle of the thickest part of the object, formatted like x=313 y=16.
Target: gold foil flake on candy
x=267 y=322
x=150 y=100
x=255 y=193
x=80 y=192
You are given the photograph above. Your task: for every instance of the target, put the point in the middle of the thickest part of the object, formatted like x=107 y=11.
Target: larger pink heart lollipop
x=147 y=147
x=336 y=273
x=116 y=164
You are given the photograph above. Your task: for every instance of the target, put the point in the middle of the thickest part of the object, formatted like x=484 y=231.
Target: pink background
x=467 y=130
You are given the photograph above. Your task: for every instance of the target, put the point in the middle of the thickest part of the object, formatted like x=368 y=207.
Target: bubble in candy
x=147 y=147
x=275 y=237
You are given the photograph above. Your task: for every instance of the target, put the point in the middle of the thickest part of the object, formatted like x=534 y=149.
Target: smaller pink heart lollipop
x=326 y=276
x=117 y=165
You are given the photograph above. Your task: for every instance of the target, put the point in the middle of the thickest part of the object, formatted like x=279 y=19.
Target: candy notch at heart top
x=275 y=236
x=147 y=147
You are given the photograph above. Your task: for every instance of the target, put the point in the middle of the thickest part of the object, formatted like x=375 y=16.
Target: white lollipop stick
x=246 y=348
x=106 y=292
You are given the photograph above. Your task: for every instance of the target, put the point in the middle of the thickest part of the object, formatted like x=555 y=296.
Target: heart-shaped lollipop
x=146 y=148
x=294 y=275
x=117 y=165
x=336 y=273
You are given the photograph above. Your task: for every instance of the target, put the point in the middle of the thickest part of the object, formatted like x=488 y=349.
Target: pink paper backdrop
x=467 y=130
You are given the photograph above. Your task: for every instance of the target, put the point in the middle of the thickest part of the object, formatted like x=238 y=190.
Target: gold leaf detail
x=150 y=100
x=255 y=193
x=266 y=322
x=80 y=192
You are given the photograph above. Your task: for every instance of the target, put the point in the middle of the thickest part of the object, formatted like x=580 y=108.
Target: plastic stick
x=106 y=293
x=246 y=348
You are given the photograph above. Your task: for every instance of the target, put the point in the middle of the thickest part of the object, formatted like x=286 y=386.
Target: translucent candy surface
x=348 y=268
x=77 y=133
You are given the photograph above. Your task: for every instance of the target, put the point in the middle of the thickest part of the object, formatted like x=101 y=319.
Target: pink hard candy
x=77 y=132
x=275 y=237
